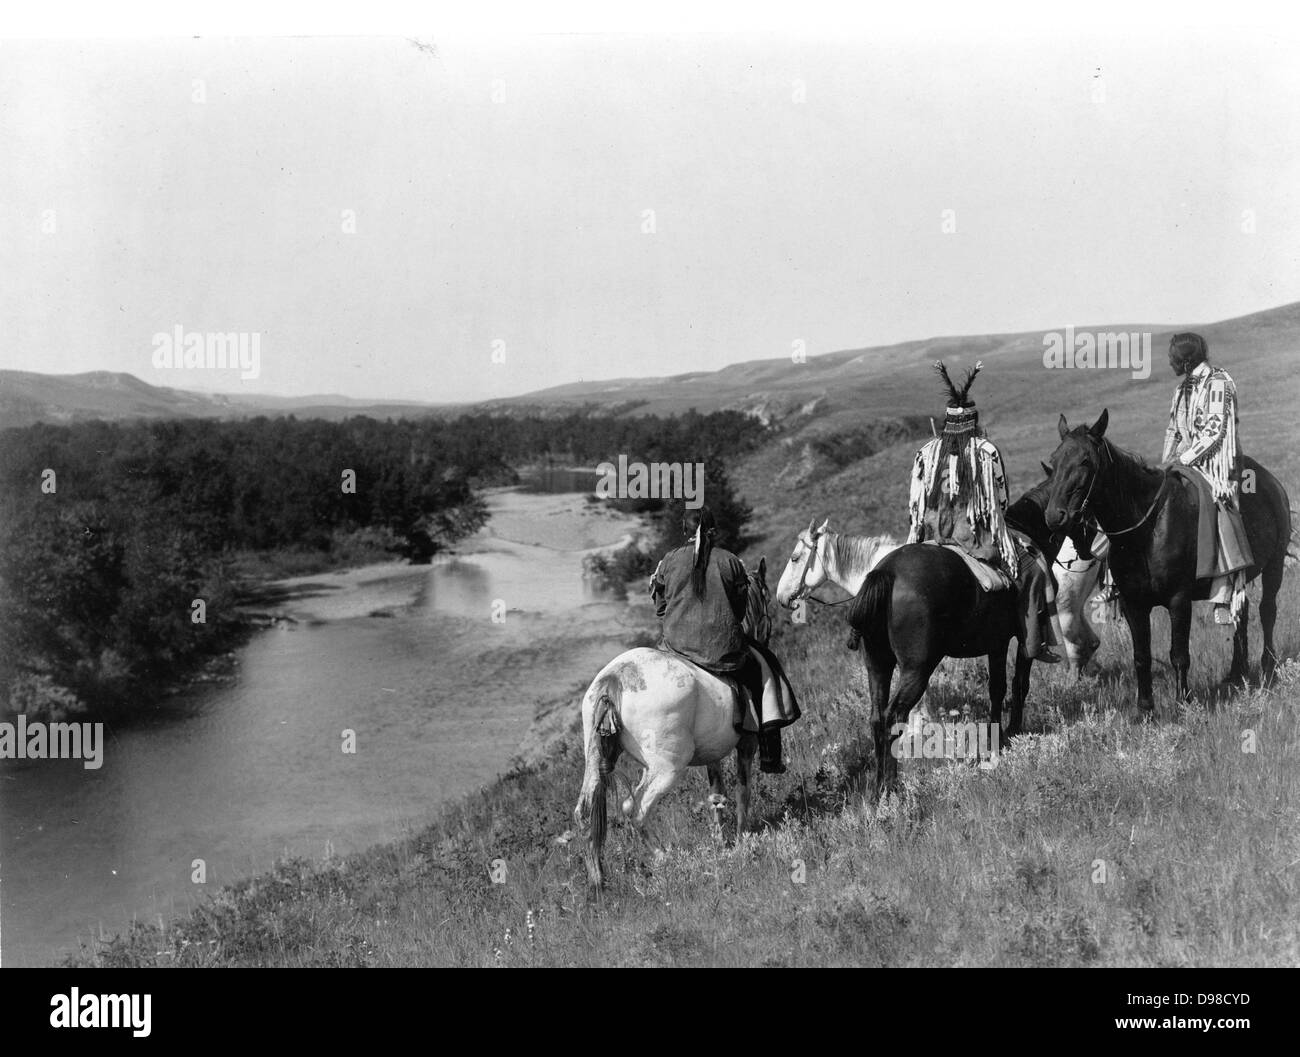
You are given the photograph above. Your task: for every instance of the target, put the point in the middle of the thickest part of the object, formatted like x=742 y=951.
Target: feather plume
x=970 y=377
x=954 y=399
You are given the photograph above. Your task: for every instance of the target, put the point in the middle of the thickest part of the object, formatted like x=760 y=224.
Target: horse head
x=1075 y=467
x=806 y=568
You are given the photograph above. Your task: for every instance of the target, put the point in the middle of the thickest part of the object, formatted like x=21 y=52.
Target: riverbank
x=445 y=694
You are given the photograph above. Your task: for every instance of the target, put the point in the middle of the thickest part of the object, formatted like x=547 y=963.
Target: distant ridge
x=837 y=389
x=27 y=397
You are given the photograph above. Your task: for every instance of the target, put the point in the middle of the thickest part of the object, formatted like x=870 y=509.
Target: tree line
x=111 y=533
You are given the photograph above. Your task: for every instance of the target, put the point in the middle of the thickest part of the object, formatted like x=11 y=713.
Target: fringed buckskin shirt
x=978 y=525
x=704 y=630
x=1202 y=429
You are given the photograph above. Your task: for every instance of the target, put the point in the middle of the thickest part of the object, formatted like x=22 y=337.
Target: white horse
x=1076 y=580
x=667 y=714
x=821 y=556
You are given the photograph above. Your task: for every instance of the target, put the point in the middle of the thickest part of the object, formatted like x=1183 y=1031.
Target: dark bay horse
x=1151 y=519
x=922 y=603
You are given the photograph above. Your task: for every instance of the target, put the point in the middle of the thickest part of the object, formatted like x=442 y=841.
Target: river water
x=437 y=669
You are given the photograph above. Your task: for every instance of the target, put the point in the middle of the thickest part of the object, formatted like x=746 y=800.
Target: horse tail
x=870 y=609
x=600 y=731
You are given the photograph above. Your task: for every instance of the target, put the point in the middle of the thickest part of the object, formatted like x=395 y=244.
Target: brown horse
x=1151 y=519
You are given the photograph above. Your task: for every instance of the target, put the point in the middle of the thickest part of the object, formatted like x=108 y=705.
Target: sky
x=472 y=216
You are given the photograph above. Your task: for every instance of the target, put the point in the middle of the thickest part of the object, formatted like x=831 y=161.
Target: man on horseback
x=699 y=591
x=1202 y=433
x=959 y=496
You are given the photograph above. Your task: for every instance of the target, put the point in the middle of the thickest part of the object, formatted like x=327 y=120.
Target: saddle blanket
x=779 y=707
x=989 y=578
x=1221 y=545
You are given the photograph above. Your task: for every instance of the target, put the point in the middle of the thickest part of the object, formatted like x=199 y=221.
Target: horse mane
x=851 y=551
x=1136 y=470
x=756 y=606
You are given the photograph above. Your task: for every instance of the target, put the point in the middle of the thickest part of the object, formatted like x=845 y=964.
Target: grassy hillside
x=1198 y=839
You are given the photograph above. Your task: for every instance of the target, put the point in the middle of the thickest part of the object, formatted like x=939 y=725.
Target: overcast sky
x=501 y=191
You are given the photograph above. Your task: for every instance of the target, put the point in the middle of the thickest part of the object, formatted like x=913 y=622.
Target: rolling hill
x=27 y=397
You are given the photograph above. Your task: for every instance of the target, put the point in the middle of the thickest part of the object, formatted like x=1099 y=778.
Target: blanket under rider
x=1217 y=549
x=780 y=708
x=990 y=577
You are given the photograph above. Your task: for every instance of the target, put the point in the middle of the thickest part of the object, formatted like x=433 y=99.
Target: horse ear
x=824 y=524
x=1047 y=469
x=1063 y=428
x=762 y=568
x=812 y=525
x=1098 y=428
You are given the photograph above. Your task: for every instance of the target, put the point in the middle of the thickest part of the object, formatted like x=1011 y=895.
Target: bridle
x=814 y=535
x=1082 y=513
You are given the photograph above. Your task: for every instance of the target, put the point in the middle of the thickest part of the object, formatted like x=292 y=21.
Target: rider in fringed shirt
x=1202 y=433
x=959 y=496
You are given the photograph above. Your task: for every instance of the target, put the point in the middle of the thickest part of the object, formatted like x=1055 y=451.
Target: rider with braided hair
x=699 y=591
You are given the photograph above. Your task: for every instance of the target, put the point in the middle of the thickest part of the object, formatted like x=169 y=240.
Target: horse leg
x=1180 y=633
x=1240 y=670
x=1087 y=639
x=1270 y=582
x=1019 y=692
x=658 y=779
x=1139 y=625
x=880 y=673
x=997 y=682
x=744 y=768
x=911 y=688
x=717 y=797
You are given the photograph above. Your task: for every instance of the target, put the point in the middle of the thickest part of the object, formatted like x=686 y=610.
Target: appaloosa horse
x=668 y=714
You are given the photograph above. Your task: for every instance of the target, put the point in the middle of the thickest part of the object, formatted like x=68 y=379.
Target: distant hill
x=27 y=397
x=1262 y=351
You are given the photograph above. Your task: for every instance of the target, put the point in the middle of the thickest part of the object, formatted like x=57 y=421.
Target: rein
x=1105 y=446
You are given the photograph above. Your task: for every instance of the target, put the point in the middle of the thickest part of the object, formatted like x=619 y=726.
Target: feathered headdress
x=959 y=398
x=960 y=425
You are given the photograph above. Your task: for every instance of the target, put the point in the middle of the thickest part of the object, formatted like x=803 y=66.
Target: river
x=437 y=669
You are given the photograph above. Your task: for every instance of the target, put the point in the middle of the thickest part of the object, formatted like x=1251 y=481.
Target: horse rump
x=870 y=609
